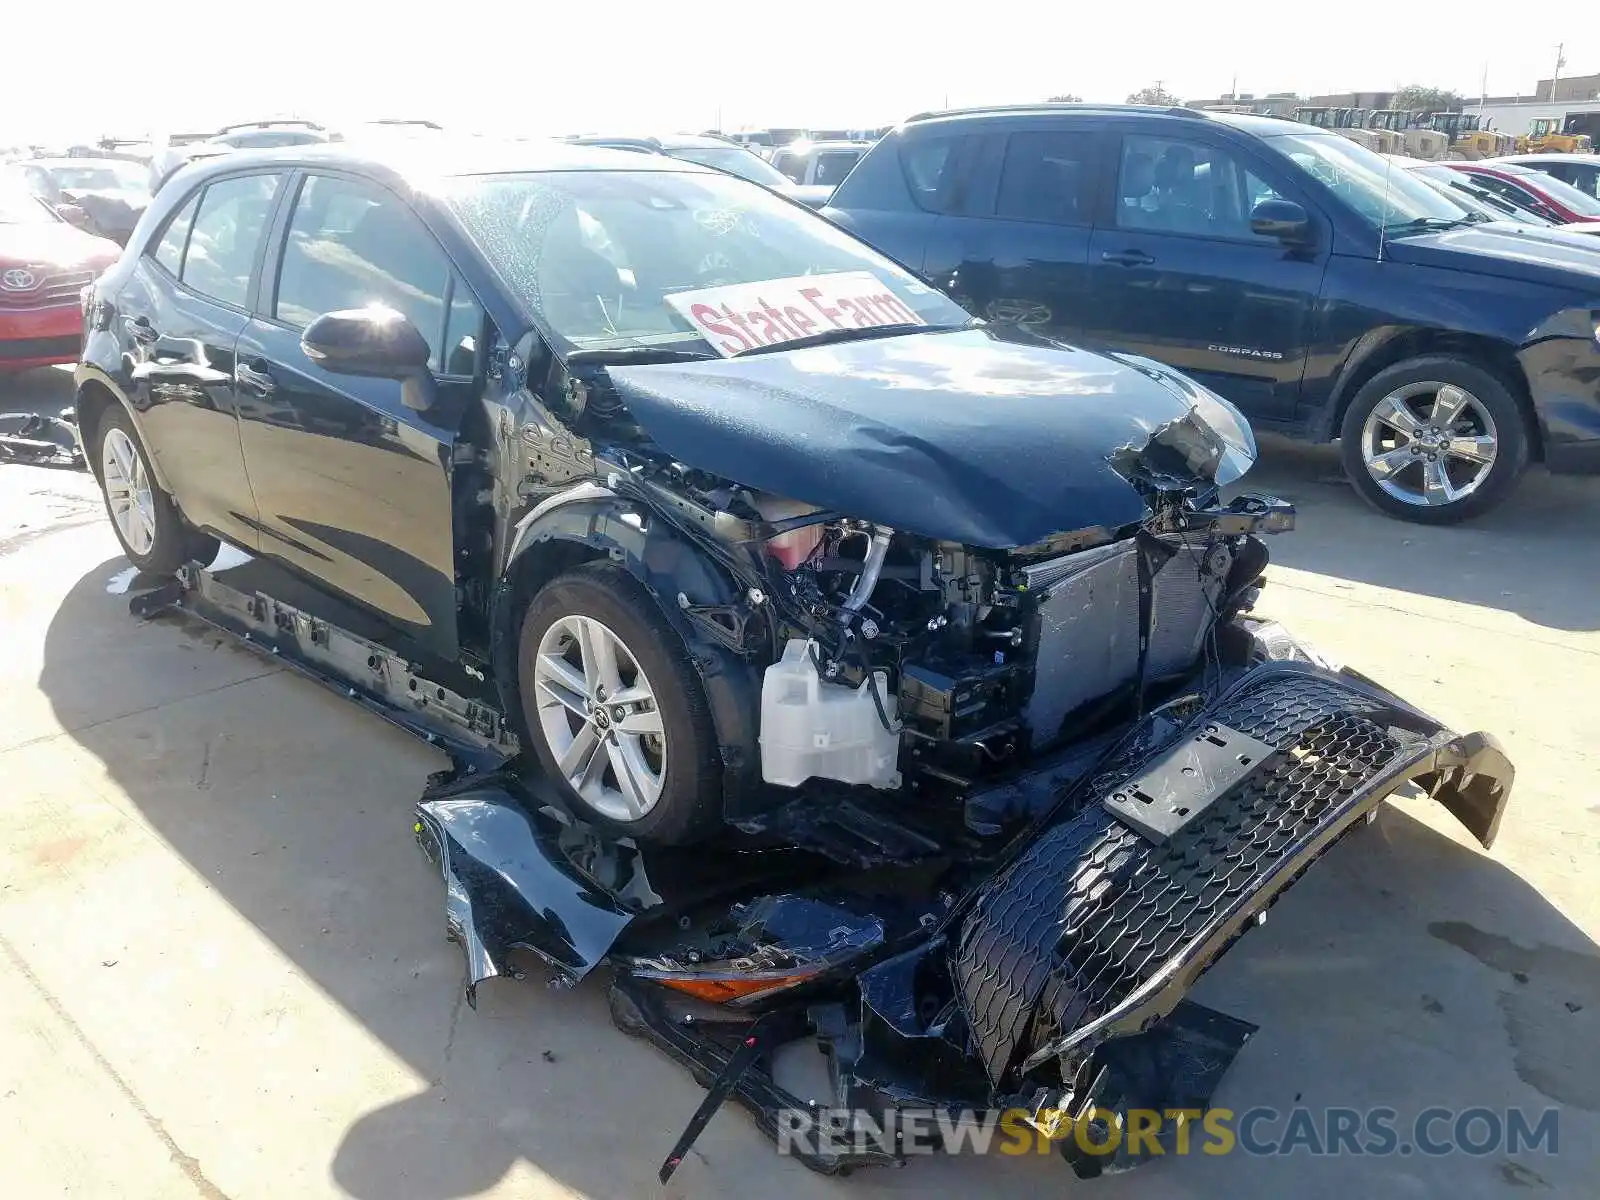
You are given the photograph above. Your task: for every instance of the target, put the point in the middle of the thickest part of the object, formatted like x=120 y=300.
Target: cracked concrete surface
x=223 y=970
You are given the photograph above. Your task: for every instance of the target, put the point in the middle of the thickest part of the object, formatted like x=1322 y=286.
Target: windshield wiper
x=829 y=336
x=621 y=356
x=1426 y=225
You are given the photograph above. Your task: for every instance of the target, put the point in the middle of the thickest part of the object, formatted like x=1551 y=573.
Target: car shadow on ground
x=1407 y=970
x=1537 y=555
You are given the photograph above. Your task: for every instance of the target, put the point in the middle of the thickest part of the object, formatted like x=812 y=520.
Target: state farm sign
x=747 y=316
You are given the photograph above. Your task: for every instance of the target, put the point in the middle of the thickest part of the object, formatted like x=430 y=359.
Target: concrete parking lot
x=223 y=970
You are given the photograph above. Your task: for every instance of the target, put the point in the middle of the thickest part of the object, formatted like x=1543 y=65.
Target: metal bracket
x=1186 y=780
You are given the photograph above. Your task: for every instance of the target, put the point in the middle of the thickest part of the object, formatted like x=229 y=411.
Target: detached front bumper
x=1097 y=930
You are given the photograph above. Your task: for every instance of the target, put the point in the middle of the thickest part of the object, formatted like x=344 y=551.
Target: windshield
x=1383 y=193
x=99 y=178
x=1563 y=194
x=735 y=162
x=595 y=255
x=18 y=206
x=1456 y=186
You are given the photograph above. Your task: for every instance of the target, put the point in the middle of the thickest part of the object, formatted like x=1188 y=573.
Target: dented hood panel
x=989 y=436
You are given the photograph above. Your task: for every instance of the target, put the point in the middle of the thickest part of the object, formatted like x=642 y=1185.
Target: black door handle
x=1127 y=258
x=140 y=329
x=254 y=376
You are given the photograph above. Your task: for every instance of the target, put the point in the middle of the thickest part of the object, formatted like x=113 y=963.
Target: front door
x=1179 y=277
x=181 y=314
x=354 y=488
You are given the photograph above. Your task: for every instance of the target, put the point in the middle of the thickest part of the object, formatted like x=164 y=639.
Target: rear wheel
x=1434 y=440
x=153 y=533
x=615 y=710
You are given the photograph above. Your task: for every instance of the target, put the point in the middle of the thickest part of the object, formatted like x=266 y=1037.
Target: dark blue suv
x=1324 y=292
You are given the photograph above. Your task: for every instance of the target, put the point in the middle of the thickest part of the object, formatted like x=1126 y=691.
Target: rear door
x=1016 y=248
x=354 y=487
x=1179 y=277
x=180 y=316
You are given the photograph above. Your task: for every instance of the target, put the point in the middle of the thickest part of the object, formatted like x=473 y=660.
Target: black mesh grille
x=1092 y=909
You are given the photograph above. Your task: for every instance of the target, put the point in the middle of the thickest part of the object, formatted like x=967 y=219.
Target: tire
x=1426 y=477
x=675 y=770
x=154 y=535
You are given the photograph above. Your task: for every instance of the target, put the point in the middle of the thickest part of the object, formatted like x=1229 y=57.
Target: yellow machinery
x=1411 y=137
x=1546 y=138
x=1469 y=136
x=1346 y=122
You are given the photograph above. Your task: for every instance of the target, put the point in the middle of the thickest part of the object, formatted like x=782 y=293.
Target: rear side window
x=832 y=168
x=1046 y=177
x=791 y=164
x=225 y=236
x=930 y=165
x=352 y=244
x=169 y=250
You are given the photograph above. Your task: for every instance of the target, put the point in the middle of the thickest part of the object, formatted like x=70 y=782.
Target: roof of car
x=656 y=141
x=448 y=157
x=1246 y=122
x=1533 y=160
x=809 y=147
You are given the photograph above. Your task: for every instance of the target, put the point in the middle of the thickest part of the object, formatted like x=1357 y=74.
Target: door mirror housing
x=376 y=342
x=1282 y=220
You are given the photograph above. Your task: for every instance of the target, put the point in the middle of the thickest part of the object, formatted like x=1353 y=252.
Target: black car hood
x=1504 y=253
x=989 y=436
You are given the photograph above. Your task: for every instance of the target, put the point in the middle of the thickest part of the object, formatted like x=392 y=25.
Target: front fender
x=589 y=522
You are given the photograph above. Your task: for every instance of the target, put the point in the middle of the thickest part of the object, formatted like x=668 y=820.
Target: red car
x=1531 y=190
x=44 y=264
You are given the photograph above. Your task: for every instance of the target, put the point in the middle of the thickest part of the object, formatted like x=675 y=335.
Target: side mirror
x=1283 y=220
x=379 y=343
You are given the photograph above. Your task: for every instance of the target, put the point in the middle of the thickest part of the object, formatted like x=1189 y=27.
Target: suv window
x=225 y=235
x=1045 y=177
x=791 y=164
x=930 y=165
x=833 y=167
x=352 y=245
x=169 y=250
x=1175 y=185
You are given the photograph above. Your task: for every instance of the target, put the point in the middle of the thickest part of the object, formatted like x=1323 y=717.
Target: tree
x=1155 y=94
x=1428 y=99
x=1066 y=98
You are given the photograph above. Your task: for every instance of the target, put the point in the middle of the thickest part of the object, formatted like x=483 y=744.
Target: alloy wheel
x=1429 y=444
x=598 y=714
x=128 y=491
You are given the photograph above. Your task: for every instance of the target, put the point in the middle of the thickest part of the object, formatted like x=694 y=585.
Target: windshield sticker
x=747 y=316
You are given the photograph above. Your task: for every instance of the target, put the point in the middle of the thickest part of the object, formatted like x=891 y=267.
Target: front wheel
x=615 y=709
x=153 y=533
x=1434 y=440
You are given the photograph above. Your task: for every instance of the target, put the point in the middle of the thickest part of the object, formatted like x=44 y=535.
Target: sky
x=537 y=67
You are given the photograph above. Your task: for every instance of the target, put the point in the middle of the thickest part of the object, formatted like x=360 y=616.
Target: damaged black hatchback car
x=730 y=562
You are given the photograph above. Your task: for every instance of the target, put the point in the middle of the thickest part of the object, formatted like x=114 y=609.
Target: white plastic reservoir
x=814 y=729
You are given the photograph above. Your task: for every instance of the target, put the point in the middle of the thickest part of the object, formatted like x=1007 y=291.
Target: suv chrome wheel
x=128 y=491
x=598 y=714
x=1429 y=443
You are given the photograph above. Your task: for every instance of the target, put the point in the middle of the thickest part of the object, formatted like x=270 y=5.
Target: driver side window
x=351 y=245
x=1182 y=186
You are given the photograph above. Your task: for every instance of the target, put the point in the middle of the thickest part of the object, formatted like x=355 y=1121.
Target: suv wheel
x=1434 y=440
x=614 y=709
x=153 y=533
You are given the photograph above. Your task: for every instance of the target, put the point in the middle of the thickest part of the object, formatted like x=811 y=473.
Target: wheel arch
x=1377 y=353
x=592 y=525
x=94 y=395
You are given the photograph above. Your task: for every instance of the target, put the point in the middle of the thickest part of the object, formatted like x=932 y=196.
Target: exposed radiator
x=1089 y=622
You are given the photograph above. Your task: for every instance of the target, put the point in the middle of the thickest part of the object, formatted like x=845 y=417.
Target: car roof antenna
x=1383 y=223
